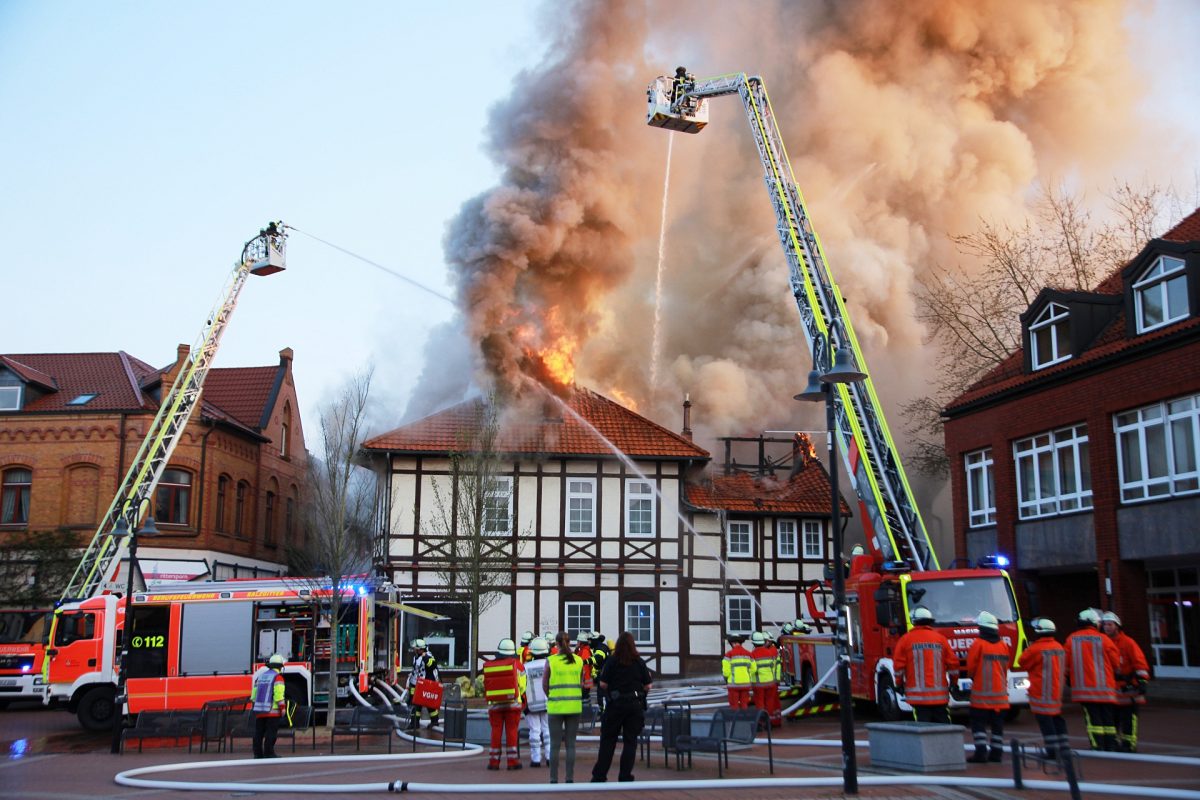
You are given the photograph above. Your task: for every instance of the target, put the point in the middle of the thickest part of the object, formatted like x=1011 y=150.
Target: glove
x=1141 y=687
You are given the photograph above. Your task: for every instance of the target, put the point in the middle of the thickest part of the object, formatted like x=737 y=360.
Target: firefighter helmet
x=1043 y=626
x=1089 y=616
x=757 y=638
x=987 y=620
x=857 y=550
x=921 y=614
x=788 y=628
x=1109 y=616
x=418 y=644
x=681 y=71
x=539 y=647
x=275 y=661
x=526 y=637
x=506 y=647
x=768 y=637
x=801 y=626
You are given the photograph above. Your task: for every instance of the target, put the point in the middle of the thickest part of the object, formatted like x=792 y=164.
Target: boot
x=995 y=755
x=980 y=757
x=514 y=765
x=494 y=765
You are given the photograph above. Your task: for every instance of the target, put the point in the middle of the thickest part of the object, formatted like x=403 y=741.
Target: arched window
x=269 y=516
x=222 y=500
x=14 y=496
x=173 y=498
x=284 y=449
x=239 y=519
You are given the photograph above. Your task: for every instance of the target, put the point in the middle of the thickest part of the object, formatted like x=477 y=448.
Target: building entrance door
x=1173 y=596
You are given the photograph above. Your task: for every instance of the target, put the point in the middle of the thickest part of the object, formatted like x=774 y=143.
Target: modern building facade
x=229 y=500
x=605 y=521
x=1078 y=456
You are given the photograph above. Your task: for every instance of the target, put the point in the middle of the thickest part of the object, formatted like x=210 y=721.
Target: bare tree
x=336 y=551
x=479 y=545
x=35 y=567
x=973 y=316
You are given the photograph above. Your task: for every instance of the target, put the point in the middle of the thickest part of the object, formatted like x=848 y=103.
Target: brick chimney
x=285 y=358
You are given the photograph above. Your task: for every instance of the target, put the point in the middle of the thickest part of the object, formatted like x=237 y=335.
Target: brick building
x=1078 y=456
x=70 y=424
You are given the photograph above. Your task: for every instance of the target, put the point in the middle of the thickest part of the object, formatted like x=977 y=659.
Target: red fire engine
x=22 y=632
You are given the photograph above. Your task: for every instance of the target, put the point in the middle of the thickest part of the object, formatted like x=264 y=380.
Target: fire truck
x=22 y=633
x=192 y=643
x=901 y=570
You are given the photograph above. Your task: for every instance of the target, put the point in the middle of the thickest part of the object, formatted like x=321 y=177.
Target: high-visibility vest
x=566 y=686
x=764 y=658
x=987 y=666
x=1046 y=662
x=921 y=661
x=502 y=681
x=268 y=694
x=1131 y=667
x=738 y=667
x=535 y=694
x=1092 y=660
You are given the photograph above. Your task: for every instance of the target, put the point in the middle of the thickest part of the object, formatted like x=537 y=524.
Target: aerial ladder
x=98 y=567
x=894 y=528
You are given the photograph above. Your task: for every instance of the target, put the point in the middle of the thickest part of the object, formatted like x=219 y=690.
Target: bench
x=160 y=725
x=668 y=721
x=729 y=727
x=362 y=721
x=301 y=721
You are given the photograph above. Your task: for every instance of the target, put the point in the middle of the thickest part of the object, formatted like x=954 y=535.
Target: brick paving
x=49 y=757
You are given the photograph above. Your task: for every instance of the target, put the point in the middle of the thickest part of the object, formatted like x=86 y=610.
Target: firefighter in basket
x=424 y=667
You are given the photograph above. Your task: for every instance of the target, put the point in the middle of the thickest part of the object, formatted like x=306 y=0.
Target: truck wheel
x=885 y=698
x=96 y=709
x=806 y=682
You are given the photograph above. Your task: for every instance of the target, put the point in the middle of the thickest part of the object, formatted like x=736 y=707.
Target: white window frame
x=636 y=629
x=572 y=609
x=634 y=498
x=585 y=503
x=1158 y=280
x=786 y=538
x=743 y=601
x=497 y=496
x=739 y=552
x=1164 y=427
x=10 y=398
x=813 y=528
x=1055 y=320
x=981 y=503
x=1048 y=455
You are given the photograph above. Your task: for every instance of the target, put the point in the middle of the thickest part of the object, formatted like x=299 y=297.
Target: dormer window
x=1050 y=336
x=10 y=398
x=1160 y=294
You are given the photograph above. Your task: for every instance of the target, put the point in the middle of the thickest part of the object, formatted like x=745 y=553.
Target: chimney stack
x=687 y=417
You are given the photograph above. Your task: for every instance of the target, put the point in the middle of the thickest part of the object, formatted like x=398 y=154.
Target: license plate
x=8 y=681
x=964 y=684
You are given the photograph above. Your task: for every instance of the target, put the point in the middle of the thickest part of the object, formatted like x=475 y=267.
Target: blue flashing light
x=995 y=561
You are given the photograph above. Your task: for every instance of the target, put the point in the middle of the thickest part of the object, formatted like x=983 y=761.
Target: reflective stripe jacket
x=564 y=685
x=535 y=692
x=987 y=666
x=503 y=682
x=765 y=659
x=424 y=666
x=1131 y=667
x=585 y=653
x=1046 y=662
x=921 y=661
x=738 y=666
x=1092 y=661
x=268 y=695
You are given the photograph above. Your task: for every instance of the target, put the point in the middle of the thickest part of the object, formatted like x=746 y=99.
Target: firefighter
x=738 y=669
x=599 y=655
x=269 y=707
x=987 y=667
x=1046 y=662
x=424 y=667
x=1132 y=674
x=504 y=690
x=1092 y=663
x=922 y=658
x=553 y=640
x=801 y=628
x=535 y=703
x=766 y=686
x=526 y=638
x=584 y=651
x=679 y=84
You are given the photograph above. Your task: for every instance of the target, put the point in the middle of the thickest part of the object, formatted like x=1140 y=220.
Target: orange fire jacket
x=1046 y=662
x=1092 y=661
x=921 y=661
x=987 y=665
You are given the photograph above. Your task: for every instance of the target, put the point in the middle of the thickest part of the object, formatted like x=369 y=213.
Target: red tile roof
x=808 y=492
x=29 y=374
x=1010 y=374
x=242 y=392
x=544 y=428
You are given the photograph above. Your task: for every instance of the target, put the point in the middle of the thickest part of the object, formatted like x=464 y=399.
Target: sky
x=144 y=143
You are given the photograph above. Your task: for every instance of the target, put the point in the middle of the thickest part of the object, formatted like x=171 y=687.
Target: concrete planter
x=916 y=746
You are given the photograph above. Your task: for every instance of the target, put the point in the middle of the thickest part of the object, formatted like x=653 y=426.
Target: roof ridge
x=678 y=437
x=133 y=381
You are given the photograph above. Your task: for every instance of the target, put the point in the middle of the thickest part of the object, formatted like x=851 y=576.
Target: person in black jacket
x=626 y=679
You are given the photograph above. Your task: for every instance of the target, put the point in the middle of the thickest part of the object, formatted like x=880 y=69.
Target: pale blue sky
x=143 y=143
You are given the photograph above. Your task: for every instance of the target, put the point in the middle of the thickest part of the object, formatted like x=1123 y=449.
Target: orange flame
x=559 y=360
x=805 y=447
x=624 y=399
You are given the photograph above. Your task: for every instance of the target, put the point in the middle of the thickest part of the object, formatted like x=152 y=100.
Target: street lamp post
x=122 y=530
x=822 y=386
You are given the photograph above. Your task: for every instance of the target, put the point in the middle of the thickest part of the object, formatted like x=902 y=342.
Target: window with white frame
x=581 y=507
x=1160 y=294
x=10 y=398
x=1053 y=473
x=981 y=488
x=580 y=616
x=639 y=508
x=737 y=538
x=639 y=620
x=497 y=506
x=785 y=538
x=1158 y=449
x=1050 y=336
x=739 y=614
x=814 y=535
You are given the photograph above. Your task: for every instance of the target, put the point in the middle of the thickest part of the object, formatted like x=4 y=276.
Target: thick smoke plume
x=905 y=122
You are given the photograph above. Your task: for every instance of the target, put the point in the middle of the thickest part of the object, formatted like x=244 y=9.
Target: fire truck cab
x=22 y=649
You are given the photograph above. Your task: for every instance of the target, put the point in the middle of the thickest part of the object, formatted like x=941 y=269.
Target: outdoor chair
x=729 y=728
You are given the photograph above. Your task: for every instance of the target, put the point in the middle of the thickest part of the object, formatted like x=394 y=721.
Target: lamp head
x=149 y=528
x=120 y=529
x=814 y=391
x=843 y=370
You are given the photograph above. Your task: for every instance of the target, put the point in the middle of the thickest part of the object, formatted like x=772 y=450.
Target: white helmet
x=418 y=644
x=539 y=647
x=758 y=638
x=275 y=661
x=987 y=620
x=788 y=628
x=922 y=614
x=1109 y=616
x=1089 y=616
x=801 y=626
x=1042 y=626
x=506 y=647
x=526 y=637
